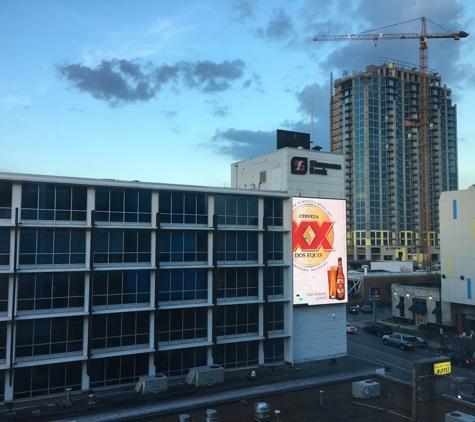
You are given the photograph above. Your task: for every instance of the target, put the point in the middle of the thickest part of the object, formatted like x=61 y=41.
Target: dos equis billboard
x=319 y=251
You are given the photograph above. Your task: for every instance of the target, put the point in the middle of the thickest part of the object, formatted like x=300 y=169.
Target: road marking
x=381 y=408
x=368 y=405
x=382 y=361
x=383 y=353
x=393 y=366
x=402 y=416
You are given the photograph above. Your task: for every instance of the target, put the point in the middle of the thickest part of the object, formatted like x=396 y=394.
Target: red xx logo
x=311 y=235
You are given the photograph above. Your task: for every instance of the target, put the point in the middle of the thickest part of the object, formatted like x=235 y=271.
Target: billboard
x=319 y=251
x=374 y=293
x=287 y=138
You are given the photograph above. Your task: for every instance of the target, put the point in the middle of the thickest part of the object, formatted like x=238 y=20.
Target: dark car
x=378 y=329
x=455 y=348
x=461 y=360
x=466 y=391
x=422 y=342
x=354 y=309
x=367 y=309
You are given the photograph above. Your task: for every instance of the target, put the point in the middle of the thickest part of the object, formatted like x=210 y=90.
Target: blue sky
x=175 y=92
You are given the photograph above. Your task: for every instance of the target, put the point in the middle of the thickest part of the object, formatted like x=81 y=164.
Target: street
x=399 y=363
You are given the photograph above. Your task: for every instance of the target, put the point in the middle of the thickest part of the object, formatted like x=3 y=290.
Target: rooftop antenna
x=311 y=119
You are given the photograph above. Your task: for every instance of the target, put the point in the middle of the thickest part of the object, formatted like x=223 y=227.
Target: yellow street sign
x=443 y=368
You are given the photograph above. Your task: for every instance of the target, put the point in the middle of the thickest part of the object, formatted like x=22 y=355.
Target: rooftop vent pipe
x=68 y=396
x=261 y=412
x=211 y=415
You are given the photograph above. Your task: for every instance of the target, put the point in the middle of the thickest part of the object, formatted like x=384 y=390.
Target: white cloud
x=12 y=101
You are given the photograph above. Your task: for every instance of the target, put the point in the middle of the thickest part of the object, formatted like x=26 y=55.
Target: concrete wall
x=457 y=246
x=316 y=334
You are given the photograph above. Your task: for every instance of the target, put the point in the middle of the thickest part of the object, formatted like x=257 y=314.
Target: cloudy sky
x=175 y=92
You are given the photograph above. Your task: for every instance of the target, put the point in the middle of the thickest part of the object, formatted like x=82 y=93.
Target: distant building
x=457 y=236
x=376 y=285
x=375 y=125
x=418 y=303
x=297 y=171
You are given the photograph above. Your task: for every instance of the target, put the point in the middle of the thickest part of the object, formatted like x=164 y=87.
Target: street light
x=441 y=328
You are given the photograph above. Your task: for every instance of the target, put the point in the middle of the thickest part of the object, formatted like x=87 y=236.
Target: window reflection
x=236 y=210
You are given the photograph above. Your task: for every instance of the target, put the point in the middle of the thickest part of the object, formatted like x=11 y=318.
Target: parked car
x=403 y=341
x=378 y=329
x=350 y=329
x=367 y=309
x=460 y=359
x=354 y=309
x=422 y=342
x=455 y=348
x=466 y=391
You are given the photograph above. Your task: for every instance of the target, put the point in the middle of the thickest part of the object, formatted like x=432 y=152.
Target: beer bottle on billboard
x=340 y=281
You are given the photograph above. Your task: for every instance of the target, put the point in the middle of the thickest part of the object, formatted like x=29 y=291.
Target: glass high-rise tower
x=374 y=117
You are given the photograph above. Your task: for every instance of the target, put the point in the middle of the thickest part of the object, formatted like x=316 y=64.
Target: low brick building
x=360 y=284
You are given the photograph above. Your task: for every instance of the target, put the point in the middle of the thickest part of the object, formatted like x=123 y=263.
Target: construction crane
x=423 y=109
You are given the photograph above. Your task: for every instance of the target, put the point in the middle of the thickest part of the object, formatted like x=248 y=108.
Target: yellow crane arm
x=375 y=37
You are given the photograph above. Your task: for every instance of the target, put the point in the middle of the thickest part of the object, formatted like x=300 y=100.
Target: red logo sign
x=299 y=165
x=311 y=235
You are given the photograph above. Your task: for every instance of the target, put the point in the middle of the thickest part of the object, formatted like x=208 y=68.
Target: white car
x=403 y=341
x=350 y=329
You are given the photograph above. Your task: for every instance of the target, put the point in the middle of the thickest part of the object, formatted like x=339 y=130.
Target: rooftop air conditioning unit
x=458 y=417
x=365 y=389
x=152 y=384
x=205 y=375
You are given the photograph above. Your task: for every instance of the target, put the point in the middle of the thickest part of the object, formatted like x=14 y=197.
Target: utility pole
x=415 y=386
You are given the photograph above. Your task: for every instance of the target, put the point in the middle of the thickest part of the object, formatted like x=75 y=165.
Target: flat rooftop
x=295 y=391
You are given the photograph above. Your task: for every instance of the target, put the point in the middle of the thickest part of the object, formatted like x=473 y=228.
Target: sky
x=175 y=92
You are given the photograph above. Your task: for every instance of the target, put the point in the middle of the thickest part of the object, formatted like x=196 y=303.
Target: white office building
x=104 y=281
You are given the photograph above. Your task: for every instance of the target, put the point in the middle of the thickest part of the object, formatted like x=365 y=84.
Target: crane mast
x=334 y=122
x=424 y=146
x=423 y=113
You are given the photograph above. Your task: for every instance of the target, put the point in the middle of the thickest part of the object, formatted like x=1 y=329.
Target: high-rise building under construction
x=375 y=123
